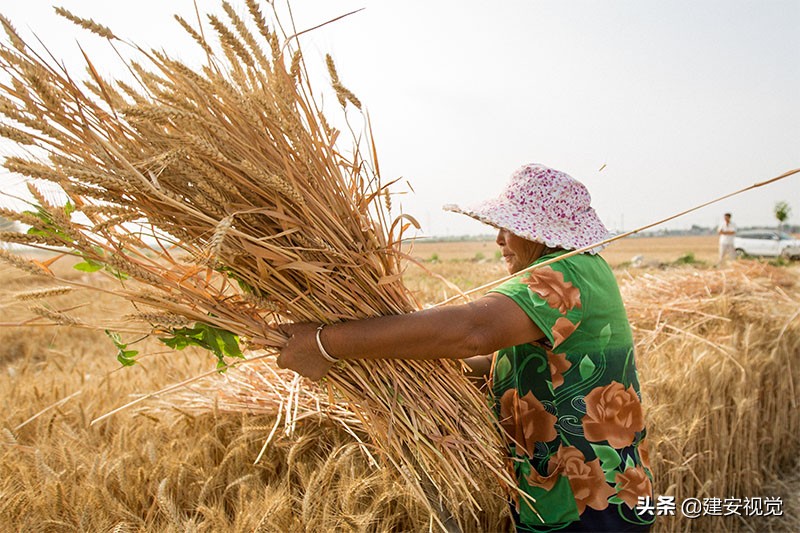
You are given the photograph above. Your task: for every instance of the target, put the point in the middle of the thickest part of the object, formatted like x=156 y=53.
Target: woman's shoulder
x=584 y=261
x=586 y=271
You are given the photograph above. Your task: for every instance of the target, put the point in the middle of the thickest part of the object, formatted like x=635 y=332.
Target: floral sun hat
x=543 y=205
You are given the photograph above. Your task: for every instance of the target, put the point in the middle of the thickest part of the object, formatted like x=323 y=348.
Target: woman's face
x=518 y=253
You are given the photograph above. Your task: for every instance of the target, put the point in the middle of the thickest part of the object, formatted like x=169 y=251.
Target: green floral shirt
x=570 y=404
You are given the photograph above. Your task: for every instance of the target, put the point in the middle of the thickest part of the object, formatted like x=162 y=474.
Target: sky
x=656 y=106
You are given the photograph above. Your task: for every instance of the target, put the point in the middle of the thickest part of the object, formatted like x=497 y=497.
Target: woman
x=564 y=379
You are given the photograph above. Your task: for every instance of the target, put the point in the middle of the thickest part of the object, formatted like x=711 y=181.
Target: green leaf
x=609 y=458
x=586 y=367
x=88 y=266
x=229 y=343
x=51 y=229
x=221 y=342
x=48 y=233
x=41 y=214
x=616 y=499
x=124 y=356
x=69 y=208
x=629 y=463
x=176 y=343
x=611 y=476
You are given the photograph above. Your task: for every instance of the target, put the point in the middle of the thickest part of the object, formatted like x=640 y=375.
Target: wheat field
x=653 y=250
x=718 y=354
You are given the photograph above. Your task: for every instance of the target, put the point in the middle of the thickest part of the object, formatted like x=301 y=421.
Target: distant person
x=563 y=378
x=727 y=232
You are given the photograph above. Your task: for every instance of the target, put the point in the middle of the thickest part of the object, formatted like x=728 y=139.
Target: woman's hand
x=301 y=354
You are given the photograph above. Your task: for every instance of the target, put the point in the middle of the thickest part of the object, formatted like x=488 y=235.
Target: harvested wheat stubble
x=718 y=352
x=219 y=194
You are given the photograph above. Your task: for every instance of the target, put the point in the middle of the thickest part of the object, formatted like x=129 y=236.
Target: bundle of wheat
x=218 y=198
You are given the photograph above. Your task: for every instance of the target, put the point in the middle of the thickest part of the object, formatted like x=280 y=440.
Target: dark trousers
x=591 y=521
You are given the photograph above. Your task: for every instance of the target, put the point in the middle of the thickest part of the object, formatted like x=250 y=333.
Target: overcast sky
x=681 y=101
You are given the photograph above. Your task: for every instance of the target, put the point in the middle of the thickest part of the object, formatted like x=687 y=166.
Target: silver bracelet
x=328 y=357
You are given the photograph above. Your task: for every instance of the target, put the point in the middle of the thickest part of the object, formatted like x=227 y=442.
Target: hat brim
x=570 y=234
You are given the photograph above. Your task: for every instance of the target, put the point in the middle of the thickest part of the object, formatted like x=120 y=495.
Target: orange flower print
x=550 y=285
x=632 y=484
x=525 y=420
x=614 y=414
x=587 y=481
x=558 y=365
x=562 y=329
x=535 y=479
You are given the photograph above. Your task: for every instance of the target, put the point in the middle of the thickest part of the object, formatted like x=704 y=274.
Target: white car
x=767 y=243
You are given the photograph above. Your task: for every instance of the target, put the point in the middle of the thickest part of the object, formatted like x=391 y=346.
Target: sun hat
x=543 y=205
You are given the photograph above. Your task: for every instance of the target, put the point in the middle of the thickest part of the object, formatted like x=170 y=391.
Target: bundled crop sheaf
x=234 y=166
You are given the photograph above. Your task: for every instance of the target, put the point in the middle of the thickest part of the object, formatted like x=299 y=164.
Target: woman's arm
x=452 y=332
